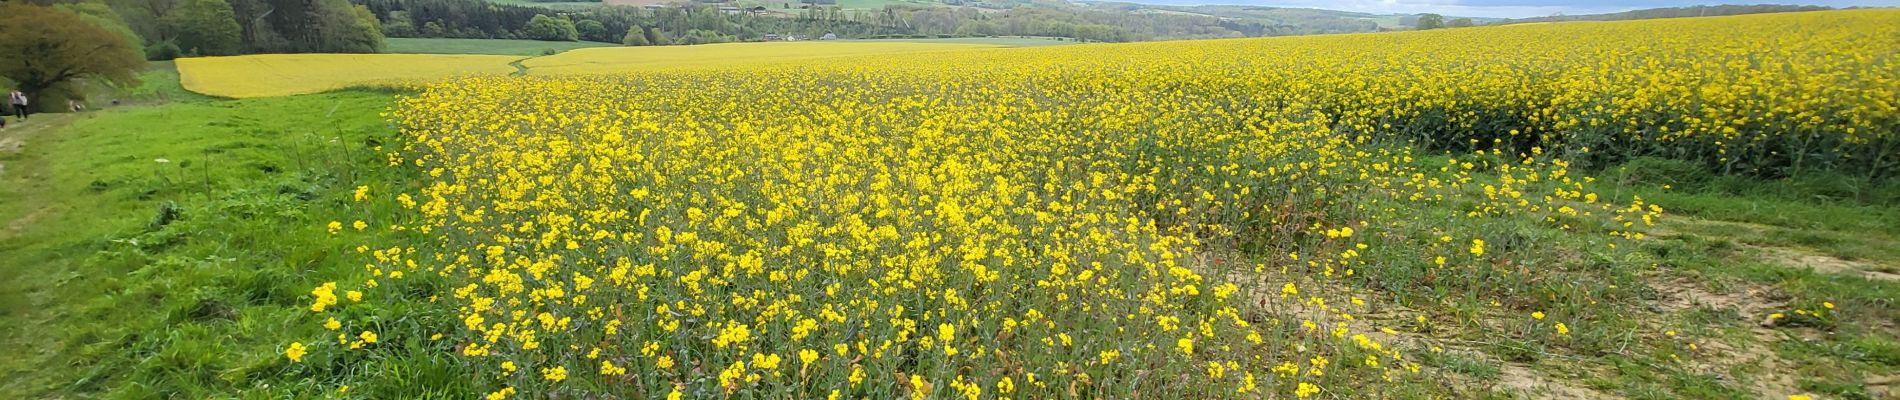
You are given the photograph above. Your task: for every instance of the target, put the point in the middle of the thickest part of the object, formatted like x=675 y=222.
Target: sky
x=1505 y=8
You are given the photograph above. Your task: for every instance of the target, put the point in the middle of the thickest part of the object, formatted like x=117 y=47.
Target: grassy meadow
x=1694 y=208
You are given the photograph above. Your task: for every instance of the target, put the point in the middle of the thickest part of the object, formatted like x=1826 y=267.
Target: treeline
x=692 y=23
x=1677 y=12
x=1264 y=21
x=172 y=28
x=1087 y=24
x=686 y=24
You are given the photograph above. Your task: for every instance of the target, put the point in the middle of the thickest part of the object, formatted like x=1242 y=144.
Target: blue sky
x=1504 y=8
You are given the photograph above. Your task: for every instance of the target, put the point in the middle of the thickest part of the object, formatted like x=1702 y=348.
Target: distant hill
x=1674 y=12
x=1281 y=21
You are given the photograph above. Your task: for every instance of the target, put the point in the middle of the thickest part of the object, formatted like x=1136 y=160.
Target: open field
x=266 y=75
x=484 y=46
x=1290 y=217
x=622 y=59
x=1670 y=209
x=287 y=74
x=1010 y=41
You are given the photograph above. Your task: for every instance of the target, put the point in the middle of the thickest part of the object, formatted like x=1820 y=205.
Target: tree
x=636 y=37
x=551 y=29
x=1462 y=23
x=367 y=31
x=399 y=24
x=102 y=15
x=591 y=30
x=1430 y=21
x=433 y=29
x=205 y=27
x=47 y=50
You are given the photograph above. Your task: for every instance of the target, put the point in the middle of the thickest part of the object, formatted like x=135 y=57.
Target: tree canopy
x=47 y=50
x=542 y=27
x=205 y=27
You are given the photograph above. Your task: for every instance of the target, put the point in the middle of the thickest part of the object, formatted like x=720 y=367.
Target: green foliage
x=636 y=36
x=702 y=36
x=102 y=15
x=163 y=51
x=398 y=24
x=482 y=46
x=1461 y=23
x=1430 y=21
x=47 y=50
x=593 y=31
x=205 y=27
x=345 y=28
x=543 y=27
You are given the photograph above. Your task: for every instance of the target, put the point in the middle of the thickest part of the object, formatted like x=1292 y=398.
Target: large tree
x=541 y=27
x=44 y=50
x=592 y=30
x=102 y=15
x=636 y=37
x=205 y=27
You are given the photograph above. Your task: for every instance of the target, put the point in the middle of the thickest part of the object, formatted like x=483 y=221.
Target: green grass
x=484 y=46
x=168 y=251
x=157 y=85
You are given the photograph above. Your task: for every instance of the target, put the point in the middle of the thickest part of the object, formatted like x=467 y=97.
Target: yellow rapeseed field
x=266 y=75
x=623 y=59
x=1204 y=219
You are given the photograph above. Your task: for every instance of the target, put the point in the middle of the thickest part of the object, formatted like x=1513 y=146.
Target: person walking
x=18 y=99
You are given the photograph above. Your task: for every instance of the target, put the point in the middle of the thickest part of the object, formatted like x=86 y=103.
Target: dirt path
x=14 y=140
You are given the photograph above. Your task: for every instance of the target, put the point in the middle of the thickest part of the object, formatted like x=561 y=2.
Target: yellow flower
x=807 y=356
x=555 y=374
x=1538 y=315
x=1186 y=345
x=1562 y=330
x=1306 y=390
x=368 y=337
x=295 y=352
x=332 y=324
x=501 y=394
x=607 y=368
